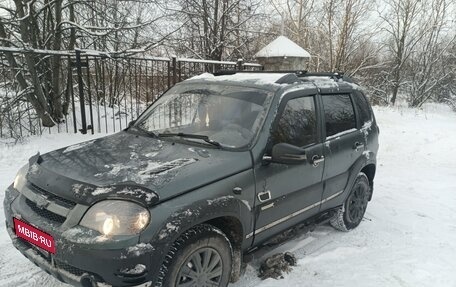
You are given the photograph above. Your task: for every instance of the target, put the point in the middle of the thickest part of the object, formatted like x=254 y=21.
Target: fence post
x=174 y=70
x=180 y=71
x=169 y=76
x=71 y=91
x=240 y=64
x=83 y=130
x=90 y=96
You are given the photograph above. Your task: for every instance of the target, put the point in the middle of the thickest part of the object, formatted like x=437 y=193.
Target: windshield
x=229 y=115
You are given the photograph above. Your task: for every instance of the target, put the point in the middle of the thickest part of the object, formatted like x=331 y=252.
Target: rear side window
x=363 y=108
x=339 y=114
x=297 y=125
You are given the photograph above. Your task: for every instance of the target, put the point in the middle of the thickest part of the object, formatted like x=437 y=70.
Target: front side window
x=297 y=125
x=229 y=115
x=339 y=114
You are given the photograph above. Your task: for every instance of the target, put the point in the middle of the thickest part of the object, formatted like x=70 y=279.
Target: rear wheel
x=202 y=256
x=350 y=215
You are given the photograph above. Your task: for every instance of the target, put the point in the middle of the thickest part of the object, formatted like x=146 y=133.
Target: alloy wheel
x=203 y=268
x=357 y=203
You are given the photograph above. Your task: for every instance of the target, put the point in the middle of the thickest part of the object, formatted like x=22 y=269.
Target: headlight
x=116 y=217
x=20 y=180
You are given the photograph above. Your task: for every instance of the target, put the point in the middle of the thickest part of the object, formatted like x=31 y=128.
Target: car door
x=289 y=193
x=344 y=143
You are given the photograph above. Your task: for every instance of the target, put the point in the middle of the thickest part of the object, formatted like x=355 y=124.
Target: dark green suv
x=217 y=166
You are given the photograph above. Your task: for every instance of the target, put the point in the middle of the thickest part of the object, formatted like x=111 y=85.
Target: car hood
x=131 y=165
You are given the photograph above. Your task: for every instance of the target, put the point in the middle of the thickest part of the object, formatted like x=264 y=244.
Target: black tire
x=201 y=255
x=351 y=213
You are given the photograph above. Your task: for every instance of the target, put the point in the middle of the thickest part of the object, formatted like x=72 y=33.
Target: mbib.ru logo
x=34 y=235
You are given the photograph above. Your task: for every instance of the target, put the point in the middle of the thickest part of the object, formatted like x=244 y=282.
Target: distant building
x=283 y=54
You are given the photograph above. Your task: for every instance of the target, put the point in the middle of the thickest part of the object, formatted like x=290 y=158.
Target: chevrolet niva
x=214 y=168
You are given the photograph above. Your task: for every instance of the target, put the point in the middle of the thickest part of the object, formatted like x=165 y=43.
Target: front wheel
x=351 y=213
x=201 y=256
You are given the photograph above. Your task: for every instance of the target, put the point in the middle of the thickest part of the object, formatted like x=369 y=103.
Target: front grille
x=59 y=264
x=43 y=254
x=68 y=268
x=45 y=213
x=50 y=196
x=25 y=243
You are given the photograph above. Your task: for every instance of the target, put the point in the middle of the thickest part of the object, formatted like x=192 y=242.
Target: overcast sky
x=378 y=7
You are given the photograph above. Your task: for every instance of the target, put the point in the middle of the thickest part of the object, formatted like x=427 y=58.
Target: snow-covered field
x=408 y=236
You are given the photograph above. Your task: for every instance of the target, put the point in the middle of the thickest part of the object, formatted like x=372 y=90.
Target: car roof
x=257 y=80
x=276 y=80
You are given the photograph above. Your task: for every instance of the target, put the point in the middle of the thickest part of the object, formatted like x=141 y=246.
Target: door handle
x=357 y=146
x=316 y=160
x=264 y=196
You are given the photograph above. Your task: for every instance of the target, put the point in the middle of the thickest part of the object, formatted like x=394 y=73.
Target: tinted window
x=363 y=107
x=339 y=114
x=297 y=124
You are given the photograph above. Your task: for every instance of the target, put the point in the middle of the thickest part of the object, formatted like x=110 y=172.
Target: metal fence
x=100 y=92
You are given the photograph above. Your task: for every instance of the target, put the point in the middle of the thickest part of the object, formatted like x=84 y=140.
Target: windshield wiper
x=144 y=131
x=192 y=136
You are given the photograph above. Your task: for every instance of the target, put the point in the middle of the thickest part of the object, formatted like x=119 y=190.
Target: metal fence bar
x=131 y=90
x=97 y=90
x=147 y=86
x=152 y=81
x=174 y=70
x=103 y=81
x=125 y=95
x=89 y=92
x=119 y=100
x=73 y=106
x=169 y=78
x=137 y=94
x=79 y=65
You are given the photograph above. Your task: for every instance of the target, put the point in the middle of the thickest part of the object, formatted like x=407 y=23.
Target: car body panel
x=294 y=189
x=340 y=153
x=85 y=172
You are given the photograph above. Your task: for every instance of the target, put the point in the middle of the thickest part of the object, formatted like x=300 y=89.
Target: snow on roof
x=282 y=47
x=251 y=78
x=322 y=82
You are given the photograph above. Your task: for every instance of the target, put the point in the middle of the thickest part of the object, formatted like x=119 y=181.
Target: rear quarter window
x=339 y=114
x=363 y=108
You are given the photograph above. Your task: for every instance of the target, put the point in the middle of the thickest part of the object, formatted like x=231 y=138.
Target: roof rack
x=291 y=79
x=232 y=72
x=332 y=75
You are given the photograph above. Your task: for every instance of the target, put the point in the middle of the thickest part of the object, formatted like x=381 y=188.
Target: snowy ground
x=408 y=236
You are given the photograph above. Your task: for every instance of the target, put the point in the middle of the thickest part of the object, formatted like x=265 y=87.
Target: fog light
x=138 y=270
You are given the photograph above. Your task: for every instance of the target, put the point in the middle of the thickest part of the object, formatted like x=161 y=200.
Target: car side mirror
x=131 y=123
x=288 y=154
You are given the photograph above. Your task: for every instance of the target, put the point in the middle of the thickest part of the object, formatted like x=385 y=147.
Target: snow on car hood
x=130 y=165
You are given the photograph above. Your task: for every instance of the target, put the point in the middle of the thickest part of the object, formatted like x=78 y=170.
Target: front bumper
x=81 y=258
